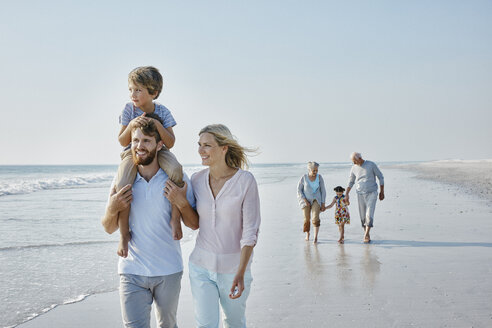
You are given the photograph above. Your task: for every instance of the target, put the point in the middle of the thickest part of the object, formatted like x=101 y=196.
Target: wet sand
x=429 y=264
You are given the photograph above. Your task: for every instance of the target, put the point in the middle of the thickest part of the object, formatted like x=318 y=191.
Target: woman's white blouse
x=227 y=223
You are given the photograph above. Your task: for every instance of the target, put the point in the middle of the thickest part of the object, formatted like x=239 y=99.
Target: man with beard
x=153 y=269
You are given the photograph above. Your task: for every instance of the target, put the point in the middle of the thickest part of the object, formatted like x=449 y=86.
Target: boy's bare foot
x=340 y=241
x=123 y=245
x=367 y=238
x=307 y=236
x=315 y=240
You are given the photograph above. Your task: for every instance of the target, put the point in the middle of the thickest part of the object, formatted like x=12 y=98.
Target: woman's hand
x=238 y=283
x=176 y=195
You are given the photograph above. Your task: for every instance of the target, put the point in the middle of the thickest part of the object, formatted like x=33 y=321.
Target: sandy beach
x=429 y=265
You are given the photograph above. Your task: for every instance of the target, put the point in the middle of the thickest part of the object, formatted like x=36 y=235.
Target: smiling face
x=144 y=147
x=140 y=97
x=210 y=151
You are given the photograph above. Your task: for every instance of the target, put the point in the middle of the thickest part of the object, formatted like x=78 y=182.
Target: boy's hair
x=149 y=77
x=339 y=189
x=148 y=127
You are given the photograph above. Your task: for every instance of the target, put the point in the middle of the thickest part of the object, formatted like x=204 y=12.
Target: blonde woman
x=228 y=207
x=311 y=194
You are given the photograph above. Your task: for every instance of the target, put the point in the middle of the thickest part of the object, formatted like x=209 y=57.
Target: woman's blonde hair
x=236 y=154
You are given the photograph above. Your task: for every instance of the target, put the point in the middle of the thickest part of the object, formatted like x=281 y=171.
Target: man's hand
x=120 y=200
x=381 y=195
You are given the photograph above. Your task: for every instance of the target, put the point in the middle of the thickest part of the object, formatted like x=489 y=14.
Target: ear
x=159 y=145
x=225 y=149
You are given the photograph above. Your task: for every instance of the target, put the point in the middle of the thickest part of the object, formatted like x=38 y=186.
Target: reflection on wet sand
x=370 y=267
x=344 y=271
x=313 y=261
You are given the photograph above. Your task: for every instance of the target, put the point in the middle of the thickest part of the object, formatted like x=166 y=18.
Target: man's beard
x=144 y=161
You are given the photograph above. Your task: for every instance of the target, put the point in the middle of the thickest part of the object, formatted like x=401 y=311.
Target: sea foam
x=67 y=182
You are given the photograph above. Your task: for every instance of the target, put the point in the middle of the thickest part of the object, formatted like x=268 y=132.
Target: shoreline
x=471 y=176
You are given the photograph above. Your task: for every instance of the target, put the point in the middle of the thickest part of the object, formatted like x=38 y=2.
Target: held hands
x=237 y=287
x=176 y=195
x=120 y=200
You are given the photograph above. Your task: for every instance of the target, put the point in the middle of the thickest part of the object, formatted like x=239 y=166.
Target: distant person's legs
x=315 y=209
x=367 y=206
x=307 y=219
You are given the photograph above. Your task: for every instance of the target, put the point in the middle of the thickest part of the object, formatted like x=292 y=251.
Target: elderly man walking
x=364 y=173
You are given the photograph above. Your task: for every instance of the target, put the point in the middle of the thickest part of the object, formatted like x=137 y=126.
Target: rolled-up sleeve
x=251 y=214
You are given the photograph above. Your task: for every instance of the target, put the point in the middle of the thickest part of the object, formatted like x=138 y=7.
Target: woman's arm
x=177 y=197
x=251 y=226
x=238 y=281
x=300 y=191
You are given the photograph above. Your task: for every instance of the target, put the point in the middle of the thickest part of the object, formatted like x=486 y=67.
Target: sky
x=299 y=80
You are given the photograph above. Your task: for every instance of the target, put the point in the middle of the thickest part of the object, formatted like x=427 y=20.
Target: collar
x=139 y=177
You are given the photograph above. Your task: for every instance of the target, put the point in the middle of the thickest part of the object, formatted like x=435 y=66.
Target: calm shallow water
x=53 y=249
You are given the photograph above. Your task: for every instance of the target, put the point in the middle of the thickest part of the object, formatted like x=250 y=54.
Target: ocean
x=53 y=249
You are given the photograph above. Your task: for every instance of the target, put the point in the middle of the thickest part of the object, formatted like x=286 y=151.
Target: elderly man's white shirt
x=152 y=251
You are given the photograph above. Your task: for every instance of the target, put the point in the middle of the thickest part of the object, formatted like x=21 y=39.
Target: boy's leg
x=174 y=170
x=170 y=165
x=166 y=295
x=125 y=236
x=127 y=172
x=136 y=301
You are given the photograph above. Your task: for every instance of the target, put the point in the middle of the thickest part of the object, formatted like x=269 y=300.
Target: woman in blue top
x=311 y=194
